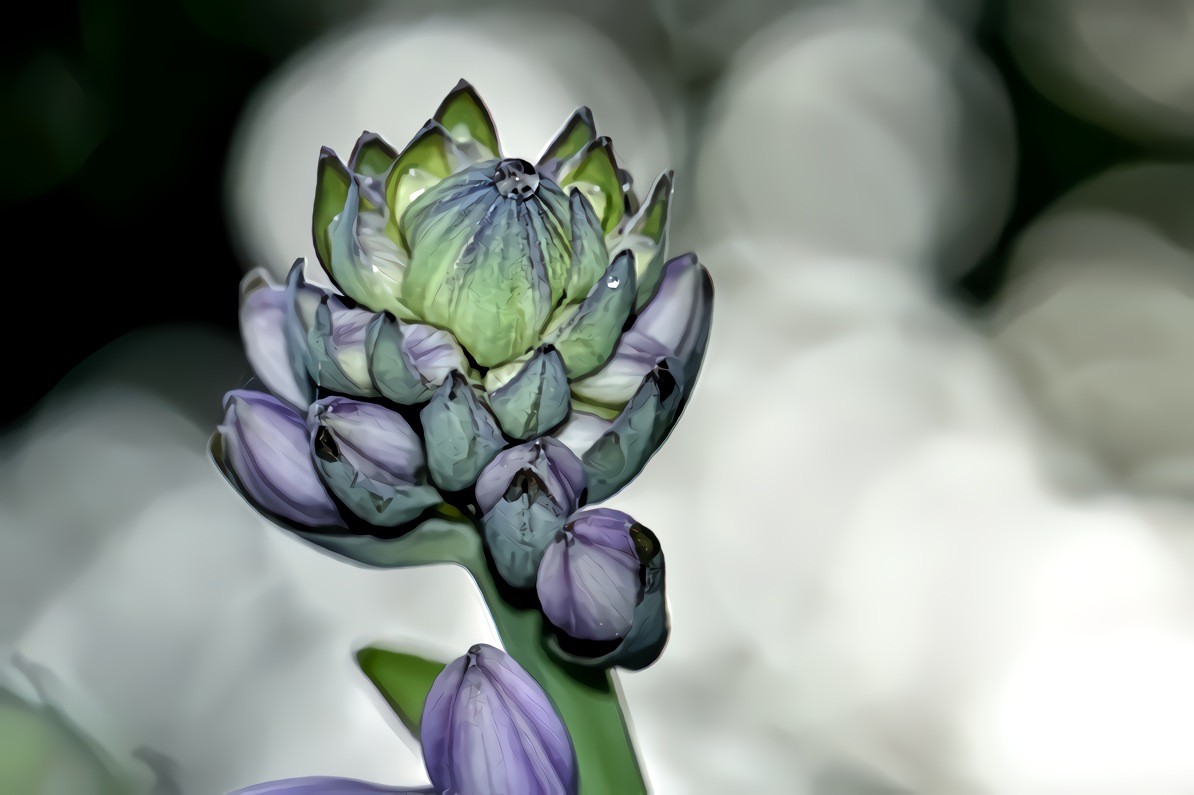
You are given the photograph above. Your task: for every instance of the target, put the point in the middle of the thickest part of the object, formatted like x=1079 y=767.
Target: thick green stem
x=586 y=699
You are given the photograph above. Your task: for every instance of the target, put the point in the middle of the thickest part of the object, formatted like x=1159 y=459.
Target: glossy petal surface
x=588 y=581
x=536 y=399
x=408 y=361
x=371 y=459
x=488 y=727
x=461 y=434
x=265 y=445
x=263 y=320
x=525 y=494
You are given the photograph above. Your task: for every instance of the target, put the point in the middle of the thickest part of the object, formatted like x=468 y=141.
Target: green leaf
x=41 y=753
x=404 y=680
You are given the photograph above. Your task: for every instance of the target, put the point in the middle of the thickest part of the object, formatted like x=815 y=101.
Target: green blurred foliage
x=42 y=755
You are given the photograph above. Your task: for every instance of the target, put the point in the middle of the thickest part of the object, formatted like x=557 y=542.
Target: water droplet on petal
x=516 y=178
x=612 y=282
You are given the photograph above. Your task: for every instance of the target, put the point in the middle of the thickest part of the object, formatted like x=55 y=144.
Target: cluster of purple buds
x=503 y=344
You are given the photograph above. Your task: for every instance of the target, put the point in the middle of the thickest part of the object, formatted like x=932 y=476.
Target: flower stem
x=587 y=699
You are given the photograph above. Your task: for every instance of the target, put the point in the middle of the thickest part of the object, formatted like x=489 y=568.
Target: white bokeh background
x=909 y=551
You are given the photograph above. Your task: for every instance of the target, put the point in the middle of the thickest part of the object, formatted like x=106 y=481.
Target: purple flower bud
x=488 y=728
x=589 y=581
x=549 y=458
x=371 y=459
x=525 y=494
x=266 y=446
x=264 y=317
x=674 y=323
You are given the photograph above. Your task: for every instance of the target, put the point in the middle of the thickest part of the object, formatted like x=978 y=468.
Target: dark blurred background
x=119 y=117
x=929 y=517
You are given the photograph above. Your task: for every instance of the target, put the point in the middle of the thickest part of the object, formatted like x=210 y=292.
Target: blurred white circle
x=531 y=67
x=864 y=131
x=1097 y=320
x=709 y=31
x=1125 y=65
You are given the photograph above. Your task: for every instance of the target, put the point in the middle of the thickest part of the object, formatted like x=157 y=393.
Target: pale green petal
x=587 y=339
x=536 y=399
x=332 y=181
x=425 y=161
x=362 y=262
x=576 y=133
x=590 y=257
x=467 y=120
x=595 y=172
x=372 y=156
x=646 y=235
x=461 y=434
x=487 y=267
x=408 y=361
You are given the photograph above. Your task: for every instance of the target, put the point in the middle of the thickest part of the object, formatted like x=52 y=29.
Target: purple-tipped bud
x=674 y=323
x=371 y=459
x=525 y=494
x=488 y=727
x=264 y=318
x=266 y=446
x=589 y=581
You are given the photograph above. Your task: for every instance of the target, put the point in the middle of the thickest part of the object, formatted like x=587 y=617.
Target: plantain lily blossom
x=505 y=343
x=487 y=729
x=526 y=493
x=601 y=581
x=265 y=444
x=542 y=291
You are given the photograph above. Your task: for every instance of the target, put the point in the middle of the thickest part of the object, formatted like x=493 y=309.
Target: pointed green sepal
x=587 y=338
x=467 y=120
x=372 y=156
x=408 y=361
x=595 y=172
x=646 y=235
x=536 y=399
x=590 y=257
x=622 y=451
x=332 y=183
x=576 y=133
x=461 y=434
x=425 y=161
